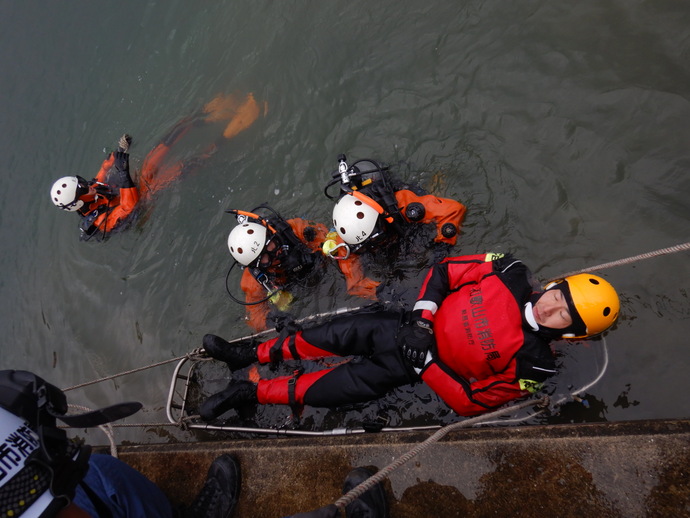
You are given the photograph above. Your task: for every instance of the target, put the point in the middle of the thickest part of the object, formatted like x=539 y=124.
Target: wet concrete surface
x=629 y=469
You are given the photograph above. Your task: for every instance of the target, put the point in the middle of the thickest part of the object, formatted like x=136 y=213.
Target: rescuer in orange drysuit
x=106 y=203
x=276 y=253
x=369 y=207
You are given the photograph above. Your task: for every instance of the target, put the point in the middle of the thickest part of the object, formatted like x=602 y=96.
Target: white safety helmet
x=246 y=242
x=354 y=220
x=65 y=193
x=23 y=492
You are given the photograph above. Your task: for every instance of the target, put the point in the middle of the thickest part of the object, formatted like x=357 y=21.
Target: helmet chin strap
x=529 y=317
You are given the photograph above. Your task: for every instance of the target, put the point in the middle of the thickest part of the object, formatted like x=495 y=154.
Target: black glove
x=415 y=340
x=121 y=161
x=122 y=178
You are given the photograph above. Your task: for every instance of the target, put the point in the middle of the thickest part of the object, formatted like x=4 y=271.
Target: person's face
x=268 y=257
x=89 y=196
x=89 y=192
x=551 y=310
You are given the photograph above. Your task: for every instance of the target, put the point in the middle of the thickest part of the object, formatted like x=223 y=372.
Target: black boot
x=237 y=393
x=237 y=355
x=218 y=497
x=371 y=504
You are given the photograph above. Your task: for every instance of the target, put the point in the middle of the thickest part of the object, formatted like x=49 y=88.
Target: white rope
x=107 y=429
x=362 y=488
x=572 y=395
x=633 y=259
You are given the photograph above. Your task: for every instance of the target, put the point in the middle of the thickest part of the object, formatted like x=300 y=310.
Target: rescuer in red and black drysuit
x=370 y=207
x=478 y=336
x=276 y=254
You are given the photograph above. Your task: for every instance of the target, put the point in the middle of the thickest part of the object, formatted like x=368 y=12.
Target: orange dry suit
x=115 y=199
x=116 y=194
x=399 y=206
x=445 y=213
x=312 y=235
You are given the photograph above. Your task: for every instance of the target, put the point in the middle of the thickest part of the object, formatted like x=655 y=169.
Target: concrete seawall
x=628 y=469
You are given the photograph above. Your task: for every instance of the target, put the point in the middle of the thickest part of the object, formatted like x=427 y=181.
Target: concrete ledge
x=628 y=469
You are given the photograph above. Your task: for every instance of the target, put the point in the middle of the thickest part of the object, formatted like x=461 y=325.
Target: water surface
x=562 y=127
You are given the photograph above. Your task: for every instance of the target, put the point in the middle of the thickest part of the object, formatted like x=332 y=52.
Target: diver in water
x=107 y=202
x=478 y=335
x=369 y=208
x=277 y=255
x=104 y=202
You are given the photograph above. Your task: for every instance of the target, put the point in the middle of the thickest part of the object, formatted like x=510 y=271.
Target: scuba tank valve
x=342 y=169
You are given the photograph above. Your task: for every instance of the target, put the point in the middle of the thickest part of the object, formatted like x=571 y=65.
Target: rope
x=573 y=395
x=107 y=429
x=197 y=354
x=191 y=355
x=362 y=488
x=383 y=473
x=633 y=259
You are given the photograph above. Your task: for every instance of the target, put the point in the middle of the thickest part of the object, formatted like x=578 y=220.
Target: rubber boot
x=372 y=504
x=220 y=493
x=236 y=394
x=237 y=355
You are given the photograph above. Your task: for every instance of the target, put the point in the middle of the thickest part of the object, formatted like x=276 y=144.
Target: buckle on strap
x=292 y=398
x=292 y=383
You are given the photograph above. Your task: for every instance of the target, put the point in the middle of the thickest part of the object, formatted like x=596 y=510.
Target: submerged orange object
x=221 y=107
x=240 y=113
x=254 y=374
x=244 y=117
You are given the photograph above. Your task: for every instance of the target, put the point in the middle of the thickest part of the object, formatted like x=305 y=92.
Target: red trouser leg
x=305 y=350
x=276 y=390
x=378 y=367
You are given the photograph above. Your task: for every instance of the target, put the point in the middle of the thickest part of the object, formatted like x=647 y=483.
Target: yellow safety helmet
x=595 y=301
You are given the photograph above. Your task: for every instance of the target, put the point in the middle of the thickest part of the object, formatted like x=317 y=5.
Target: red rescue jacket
x=485 y=355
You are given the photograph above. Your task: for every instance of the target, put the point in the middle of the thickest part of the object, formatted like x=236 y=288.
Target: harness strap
x=293 y=347
x=276 y=352
x=292 y=398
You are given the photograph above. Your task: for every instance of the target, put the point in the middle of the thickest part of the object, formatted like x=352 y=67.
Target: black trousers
x=377 y=366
